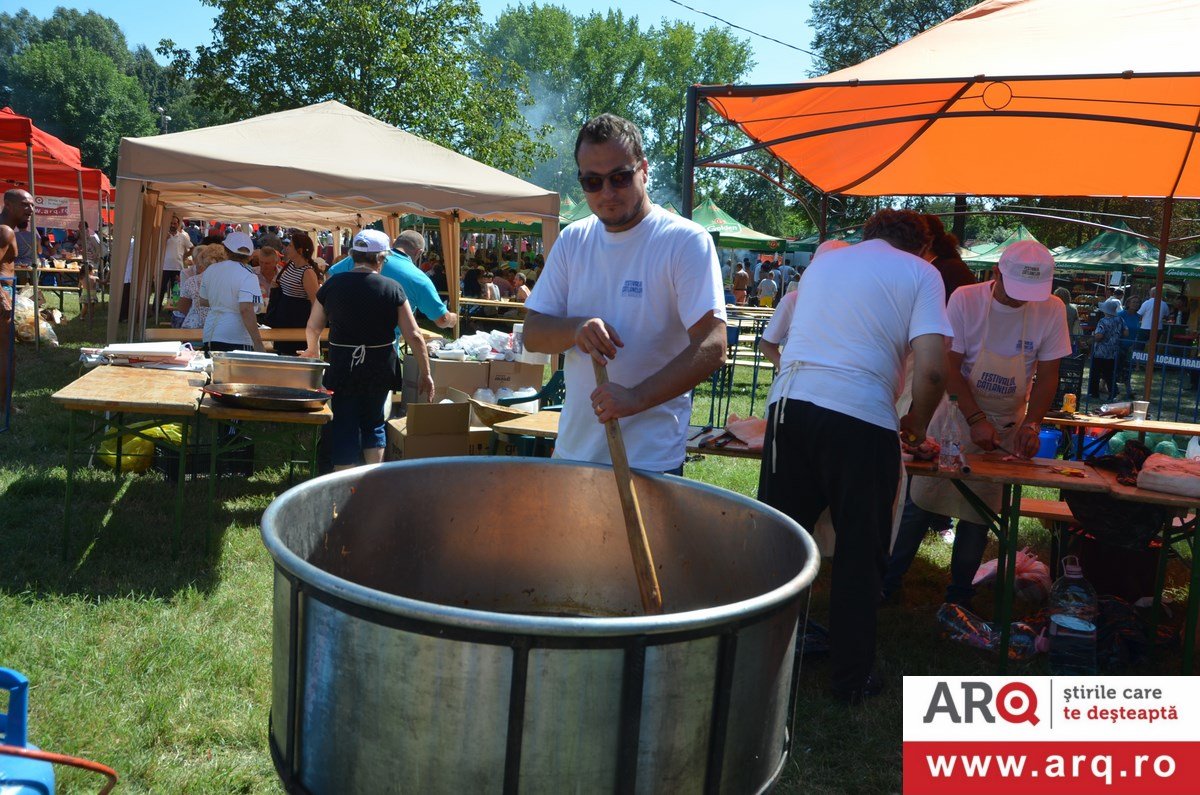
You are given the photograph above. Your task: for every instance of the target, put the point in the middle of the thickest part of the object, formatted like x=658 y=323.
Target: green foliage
x=847 y=32
x=580 y=66
x=110 y=93
x=409 y=64
x=78 y=94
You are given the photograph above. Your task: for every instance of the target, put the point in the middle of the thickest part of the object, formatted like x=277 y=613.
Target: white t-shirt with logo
x=857 y=310
x=226 y=285
x=1046 y=336
x=175 y=250
x=651 y=283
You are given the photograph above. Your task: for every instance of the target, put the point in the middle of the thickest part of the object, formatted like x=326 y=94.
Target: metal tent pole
x=689 y=152
x=37 y=323
x=1163 y=239
x=83 y=241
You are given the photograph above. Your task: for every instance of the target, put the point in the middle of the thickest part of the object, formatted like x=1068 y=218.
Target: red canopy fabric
x=57 y=165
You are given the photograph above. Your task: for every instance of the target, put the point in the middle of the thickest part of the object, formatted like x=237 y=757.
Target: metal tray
x=271 y=398
x=238 y=367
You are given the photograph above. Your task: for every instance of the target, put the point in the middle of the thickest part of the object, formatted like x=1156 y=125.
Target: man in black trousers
x=832 y=434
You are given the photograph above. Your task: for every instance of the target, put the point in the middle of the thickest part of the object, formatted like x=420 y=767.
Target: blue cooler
x=1048 y=441
x=19 y=776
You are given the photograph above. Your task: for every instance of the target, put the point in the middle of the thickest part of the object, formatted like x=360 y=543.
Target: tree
x=848 y=32
x=680 y=57
x=79 y=95
x=17 y=31
x=407 y=63
x=99 y=32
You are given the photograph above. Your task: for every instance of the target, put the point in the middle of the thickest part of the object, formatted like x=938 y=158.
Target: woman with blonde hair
x=189 y=311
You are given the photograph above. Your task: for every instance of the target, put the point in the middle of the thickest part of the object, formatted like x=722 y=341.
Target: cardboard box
x=467 y=376
x=430 y=430
x=514 y=375
x=479 y=440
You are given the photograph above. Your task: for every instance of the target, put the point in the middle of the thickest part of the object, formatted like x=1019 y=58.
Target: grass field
x=161 y=668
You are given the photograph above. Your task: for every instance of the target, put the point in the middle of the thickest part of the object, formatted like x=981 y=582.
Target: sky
x=189 y=23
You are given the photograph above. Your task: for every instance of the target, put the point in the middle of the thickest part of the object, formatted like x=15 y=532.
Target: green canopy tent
x=1112 y=251
x=1187 y=268
x=983 y=257
x=731 y=232
x=810 y=243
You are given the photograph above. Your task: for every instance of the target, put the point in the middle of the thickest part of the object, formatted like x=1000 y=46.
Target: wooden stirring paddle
x=635 y=528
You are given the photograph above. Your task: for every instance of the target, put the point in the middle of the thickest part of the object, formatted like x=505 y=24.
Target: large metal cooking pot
x=473 y=625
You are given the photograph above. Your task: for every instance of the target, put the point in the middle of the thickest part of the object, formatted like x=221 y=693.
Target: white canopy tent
x=325 y=166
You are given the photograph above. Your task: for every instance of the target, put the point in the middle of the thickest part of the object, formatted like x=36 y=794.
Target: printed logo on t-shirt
x=996 y=384
x=632 y=288
x=1026 y=345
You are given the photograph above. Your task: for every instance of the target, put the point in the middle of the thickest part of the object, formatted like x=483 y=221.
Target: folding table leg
x=212 y=482
x=1160 y=580
x=1010 y=521
x=1193 y=610
x=183 y=451
x=66 y=531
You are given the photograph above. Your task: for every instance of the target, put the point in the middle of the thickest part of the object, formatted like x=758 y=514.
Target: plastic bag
x=962 y=626
x=1032 y=576
x=27 y=320
x=137 y=452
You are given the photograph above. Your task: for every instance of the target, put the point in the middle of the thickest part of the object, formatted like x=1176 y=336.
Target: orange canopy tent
x=1008 y=98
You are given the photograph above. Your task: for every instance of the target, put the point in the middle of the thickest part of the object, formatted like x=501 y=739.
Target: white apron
x=1001 y=389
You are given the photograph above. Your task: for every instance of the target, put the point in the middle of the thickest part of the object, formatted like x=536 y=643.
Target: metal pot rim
x=519 y=624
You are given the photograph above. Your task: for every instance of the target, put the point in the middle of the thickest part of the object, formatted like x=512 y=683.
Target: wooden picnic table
x=1012 y=476
x=129 y=390
x=221 y=415
x=1186 y=508
x=494 y=304
x=542 y=424
x=156 y=393
x=1113 y=425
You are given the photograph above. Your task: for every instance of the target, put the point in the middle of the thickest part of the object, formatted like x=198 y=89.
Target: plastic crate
x=1070 y=377
x=239 y=463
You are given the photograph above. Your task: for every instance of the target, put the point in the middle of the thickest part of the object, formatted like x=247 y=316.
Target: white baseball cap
x=239 y=243
x=371 y=241
x=1028 y=270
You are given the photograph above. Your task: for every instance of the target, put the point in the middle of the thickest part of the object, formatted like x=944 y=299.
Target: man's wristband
x=976 y=418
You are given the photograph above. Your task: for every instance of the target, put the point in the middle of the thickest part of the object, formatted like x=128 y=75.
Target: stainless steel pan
x=271 y=398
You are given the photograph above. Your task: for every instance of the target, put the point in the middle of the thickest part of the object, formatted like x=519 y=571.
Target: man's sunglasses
x=618 y=179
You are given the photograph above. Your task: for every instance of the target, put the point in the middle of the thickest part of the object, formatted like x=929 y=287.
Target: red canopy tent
x=48 y=167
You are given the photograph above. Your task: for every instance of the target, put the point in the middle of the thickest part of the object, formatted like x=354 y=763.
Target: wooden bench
x=1049 y=512
x=59 y=291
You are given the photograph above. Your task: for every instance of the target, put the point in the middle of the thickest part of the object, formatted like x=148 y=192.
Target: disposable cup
x=1140 y=407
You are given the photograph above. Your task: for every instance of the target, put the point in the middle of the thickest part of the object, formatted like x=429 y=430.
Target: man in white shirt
x=636 y=289
x=232 y=292
x=831 y=436
x=1146 y=313
x=176 y=247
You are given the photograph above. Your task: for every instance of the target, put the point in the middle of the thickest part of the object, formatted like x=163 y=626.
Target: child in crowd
x=89 y=286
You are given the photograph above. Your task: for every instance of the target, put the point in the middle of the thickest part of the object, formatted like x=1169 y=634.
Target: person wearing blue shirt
x=1133 y=324
x=400 y=266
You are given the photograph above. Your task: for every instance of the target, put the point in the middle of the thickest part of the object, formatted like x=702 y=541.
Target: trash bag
x=29 y=323
x=1032 y=576
x=137 y=452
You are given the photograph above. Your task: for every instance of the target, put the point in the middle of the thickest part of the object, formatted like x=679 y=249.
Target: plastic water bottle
x=485 y=395
x=1073 y=611
x=947 y=436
